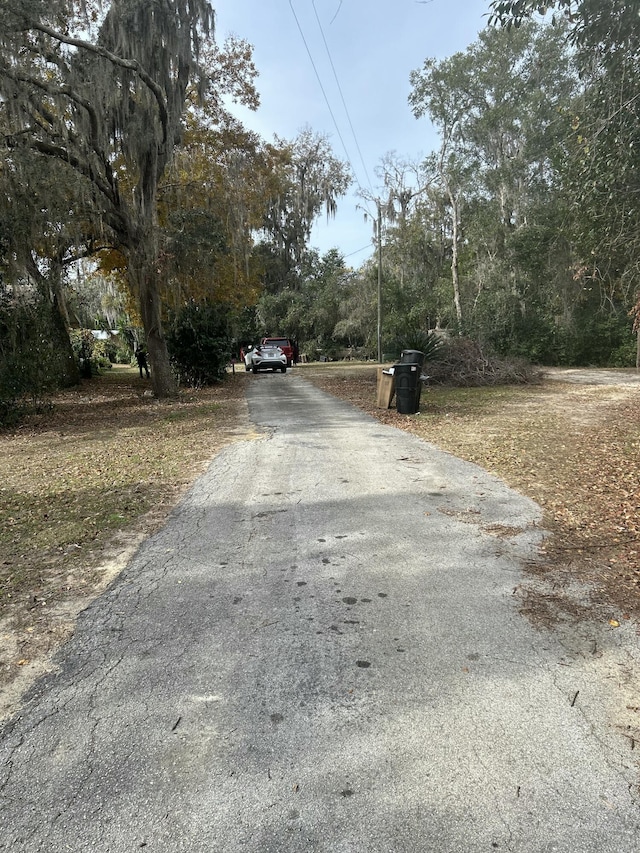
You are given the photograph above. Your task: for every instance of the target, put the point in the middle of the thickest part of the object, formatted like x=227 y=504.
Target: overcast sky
x=314 y=54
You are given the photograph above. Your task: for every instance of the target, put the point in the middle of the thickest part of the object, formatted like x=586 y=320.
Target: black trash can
x=412 y=356
x=408 y=388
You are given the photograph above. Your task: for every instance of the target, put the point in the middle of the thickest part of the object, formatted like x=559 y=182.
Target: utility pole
x=379 y=235
x=379 y=281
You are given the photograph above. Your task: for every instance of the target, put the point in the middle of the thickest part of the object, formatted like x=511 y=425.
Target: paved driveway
x=322 y=651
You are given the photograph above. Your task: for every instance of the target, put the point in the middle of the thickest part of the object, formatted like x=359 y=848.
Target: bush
x=428 y=342
x=103 y=355
x=123 y=355
x=199 y=342
x=624 y=355
x=83 y=344
x=33 y=362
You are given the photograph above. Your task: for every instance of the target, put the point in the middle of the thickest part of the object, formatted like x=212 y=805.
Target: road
x=322 y=651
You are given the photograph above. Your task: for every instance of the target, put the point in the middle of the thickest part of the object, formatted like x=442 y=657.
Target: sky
x=341 y=67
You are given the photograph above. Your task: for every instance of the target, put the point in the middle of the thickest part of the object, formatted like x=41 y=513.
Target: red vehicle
x=285 y=345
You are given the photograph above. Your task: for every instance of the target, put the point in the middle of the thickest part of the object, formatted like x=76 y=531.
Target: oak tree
x=104 y=92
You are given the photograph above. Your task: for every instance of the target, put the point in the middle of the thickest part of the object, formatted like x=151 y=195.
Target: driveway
x=322 y=651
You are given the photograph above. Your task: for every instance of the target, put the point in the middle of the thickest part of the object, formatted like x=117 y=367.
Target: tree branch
x=130 y=64
x=59 y=152
x=55 y=91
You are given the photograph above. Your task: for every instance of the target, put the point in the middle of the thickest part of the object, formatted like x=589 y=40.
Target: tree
x=111 y=108
x=38 y=232
x=499 y=109
x=309 y=313
x=306 y=179
x=404 y=183
x=211 y=199
x=613 y=26
x=602 y=168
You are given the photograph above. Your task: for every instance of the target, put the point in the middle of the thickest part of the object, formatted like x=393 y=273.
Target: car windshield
x=278 y=342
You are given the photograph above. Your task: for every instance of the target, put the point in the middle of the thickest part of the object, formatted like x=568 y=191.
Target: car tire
x=254 y=369
x=283 y=370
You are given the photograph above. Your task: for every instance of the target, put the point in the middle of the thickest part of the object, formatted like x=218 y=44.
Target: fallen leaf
x=614 y=623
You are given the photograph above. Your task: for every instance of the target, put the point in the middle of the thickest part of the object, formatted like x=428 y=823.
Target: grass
x=101 y=461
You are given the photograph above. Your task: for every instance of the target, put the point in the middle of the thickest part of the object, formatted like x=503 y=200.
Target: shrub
x=624 y=355
x=123 y=355
x=200 y=342
x=83 y=344
x=104 y=353
x=32 y=361
x=429 y=343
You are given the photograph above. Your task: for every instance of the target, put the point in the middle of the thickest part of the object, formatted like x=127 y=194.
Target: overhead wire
x=321 y=86
x=331 y=113
x=344 y=103
x=337 y=12
x=357 y=251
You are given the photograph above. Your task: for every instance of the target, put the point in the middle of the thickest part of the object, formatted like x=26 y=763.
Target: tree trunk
x=455 y=272
x=144 y=283
x=144 y=279
x=69 y=371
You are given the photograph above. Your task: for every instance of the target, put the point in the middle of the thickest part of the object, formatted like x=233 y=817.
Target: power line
x=322 y=88
x=366 y=197
x=337 y=12
x=357 y=251
x=344 y=104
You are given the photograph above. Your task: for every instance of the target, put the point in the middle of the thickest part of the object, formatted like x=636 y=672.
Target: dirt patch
x=82 y=486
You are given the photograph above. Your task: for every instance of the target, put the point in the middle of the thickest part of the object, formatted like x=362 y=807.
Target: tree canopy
x=603 y=163
x=111 y=109
x=521 y=228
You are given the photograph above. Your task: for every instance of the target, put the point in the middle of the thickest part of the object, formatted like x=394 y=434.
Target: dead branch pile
x=466 y=363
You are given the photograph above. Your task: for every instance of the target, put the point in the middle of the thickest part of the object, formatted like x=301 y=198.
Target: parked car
x=287 y=346
x=267 y=358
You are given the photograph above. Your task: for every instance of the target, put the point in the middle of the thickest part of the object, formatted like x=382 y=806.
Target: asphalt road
x=322 y=651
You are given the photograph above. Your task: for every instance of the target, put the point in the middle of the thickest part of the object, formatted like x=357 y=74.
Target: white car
x=266 y=358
